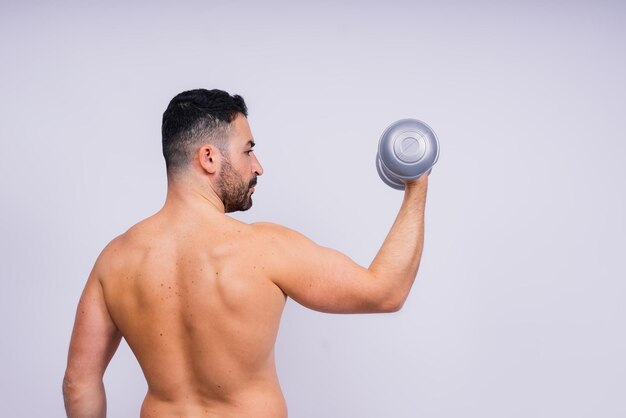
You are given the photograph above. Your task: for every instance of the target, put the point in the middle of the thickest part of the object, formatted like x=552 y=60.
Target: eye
x=249 y=151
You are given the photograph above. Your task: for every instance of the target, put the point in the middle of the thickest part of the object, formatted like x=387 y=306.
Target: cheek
x=249 y=164
x=245 y=166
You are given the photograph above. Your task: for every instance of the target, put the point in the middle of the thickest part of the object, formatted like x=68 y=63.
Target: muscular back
x=198 y=296
x=195 y=304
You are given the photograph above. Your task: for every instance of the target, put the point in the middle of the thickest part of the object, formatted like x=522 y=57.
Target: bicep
x=95 y=337
x=324 y=279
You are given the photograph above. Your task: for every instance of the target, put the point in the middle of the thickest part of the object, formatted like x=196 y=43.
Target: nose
x=258 y=170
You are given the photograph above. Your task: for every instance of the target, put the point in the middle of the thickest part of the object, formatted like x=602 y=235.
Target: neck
x=189 y=195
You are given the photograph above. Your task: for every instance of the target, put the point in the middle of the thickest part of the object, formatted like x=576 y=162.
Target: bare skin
x=198 y=296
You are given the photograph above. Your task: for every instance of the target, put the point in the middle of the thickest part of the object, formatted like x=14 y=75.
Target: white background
x=518 y=308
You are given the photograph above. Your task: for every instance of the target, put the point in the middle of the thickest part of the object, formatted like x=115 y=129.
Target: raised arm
x=326 y=280
x=94 y=341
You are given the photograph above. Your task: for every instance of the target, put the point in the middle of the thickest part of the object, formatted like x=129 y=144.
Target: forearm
x=84 y=400
x=398 y=259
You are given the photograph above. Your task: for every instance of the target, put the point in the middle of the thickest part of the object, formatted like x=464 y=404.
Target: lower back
x=258 y=403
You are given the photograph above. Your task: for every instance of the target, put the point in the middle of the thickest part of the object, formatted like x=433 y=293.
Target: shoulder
x=285 y=247
x=111 y=257
x=115 y=256
x=281 y=246
x=269 y=233
x=268 y=228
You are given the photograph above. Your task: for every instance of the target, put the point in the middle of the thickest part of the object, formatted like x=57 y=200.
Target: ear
x=209 y=158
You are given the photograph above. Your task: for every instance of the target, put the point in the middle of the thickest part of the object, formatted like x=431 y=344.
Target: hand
x=419 y=183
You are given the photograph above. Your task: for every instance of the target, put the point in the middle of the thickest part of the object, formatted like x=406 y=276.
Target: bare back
x=196 y=307
x=198 y=297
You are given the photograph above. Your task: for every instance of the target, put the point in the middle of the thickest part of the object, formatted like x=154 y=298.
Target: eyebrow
x=251 y=143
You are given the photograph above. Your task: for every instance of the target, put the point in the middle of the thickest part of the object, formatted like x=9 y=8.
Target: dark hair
x=196 y=117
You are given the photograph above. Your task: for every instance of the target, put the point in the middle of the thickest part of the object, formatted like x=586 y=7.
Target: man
x=198 y=296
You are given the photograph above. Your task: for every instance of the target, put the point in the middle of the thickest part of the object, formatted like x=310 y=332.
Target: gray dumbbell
x=407 y=149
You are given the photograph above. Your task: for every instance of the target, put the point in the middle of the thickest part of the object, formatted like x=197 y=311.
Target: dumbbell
x=407 y=149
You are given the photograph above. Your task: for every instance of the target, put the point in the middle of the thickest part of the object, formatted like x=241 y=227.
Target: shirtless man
x=198 y=295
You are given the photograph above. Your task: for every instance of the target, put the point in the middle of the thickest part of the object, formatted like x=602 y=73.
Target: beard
x=233 y=190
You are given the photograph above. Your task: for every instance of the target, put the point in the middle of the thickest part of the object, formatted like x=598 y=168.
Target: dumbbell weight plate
x=407 y=149
x=386 y=178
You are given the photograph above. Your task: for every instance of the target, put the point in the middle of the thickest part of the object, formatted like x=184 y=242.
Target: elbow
x=83 y=396
x=392 y=306
x=68 y=387
x=67 y=383
x=76 y=389
x=392 y=302
x=388 y=296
